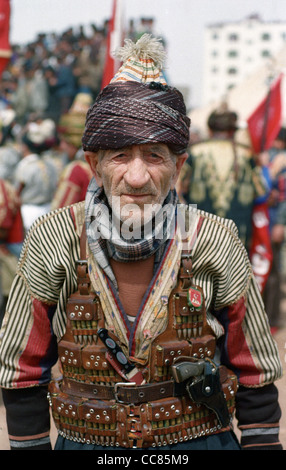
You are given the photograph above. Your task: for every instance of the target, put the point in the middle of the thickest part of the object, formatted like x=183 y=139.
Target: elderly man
x=150 y=307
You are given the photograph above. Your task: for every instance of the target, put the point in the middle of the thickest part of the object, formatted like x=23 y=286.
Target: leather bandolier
x=92 y=403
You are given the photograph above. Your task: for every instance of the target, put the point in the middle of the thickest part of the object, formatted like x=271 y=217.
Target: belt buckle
x=121 y=384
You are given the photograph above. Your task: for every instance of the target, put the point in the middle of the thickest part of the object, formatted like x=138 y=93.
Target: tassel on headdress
x=142 y=61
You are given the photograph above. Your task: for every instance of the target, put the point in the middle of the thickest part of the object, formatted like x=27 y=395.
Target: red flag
x=265 y=122
x=114 y=40
x=5 y=51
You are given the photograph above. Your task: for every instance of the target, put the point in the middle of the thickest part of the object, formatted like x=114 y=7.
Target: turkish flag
x=114 y=40
x=5 y=51
x=265 y=122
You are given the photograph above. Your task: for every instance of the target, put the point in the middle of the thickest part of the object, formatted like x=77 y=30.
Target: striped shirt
x=35 y=318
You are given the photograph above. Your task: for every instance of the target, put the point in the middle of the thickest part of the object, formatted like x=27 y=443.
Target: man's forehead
x=157 y=147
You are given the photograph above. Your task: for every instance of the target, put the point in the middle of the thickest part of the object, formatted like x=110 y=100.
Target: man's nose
x=137 y=174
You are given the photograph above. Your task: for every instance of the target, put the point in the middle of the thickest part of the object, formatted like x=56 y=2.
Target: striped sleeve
x=36 y=306
x=34 y=320
x=246 y=345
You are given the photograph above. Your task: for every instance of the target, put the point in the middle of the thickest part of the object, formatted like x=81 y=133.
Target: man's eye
x=155 y=157
x=119 y=156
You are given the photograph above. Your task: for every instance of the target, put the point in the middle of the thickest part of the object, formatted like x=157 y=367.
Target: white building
x=234 y=51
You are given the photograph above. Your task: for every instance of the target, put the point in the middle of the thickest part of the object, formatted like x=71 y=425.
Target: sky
x=180 y=22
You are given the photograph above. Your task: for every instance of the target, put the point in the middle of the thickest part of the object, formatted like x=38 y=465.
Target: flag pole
x=269 y=81
x=114 y=39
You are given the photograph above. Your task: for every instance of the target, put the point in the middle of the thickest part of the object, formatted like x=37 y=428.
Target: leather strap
x=185 y=274
x=122 y=392
x=83 y=242
x=128 y=393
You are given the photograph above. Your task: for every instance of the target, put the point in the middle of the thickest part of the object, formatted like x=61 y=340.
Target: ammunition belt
x=127 y=393
x=119 y=422
x=91 y=404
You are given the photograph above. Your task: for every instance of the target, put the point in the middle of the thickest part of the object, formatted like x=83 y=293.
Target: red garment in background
x=5 y=50
x=10 y=213
x=73 y=184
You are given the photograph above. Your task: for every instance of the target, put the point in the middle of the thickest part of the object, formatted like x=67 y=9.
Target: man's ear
x=180 y=160
x=92 y=159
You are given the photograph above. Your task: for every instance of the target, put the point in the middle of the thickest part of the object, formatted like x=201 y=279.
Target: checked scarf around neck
x=105 y=239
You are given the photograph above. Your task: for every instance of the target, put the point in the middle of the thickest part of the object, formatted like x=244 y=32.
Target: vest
x=97 y=402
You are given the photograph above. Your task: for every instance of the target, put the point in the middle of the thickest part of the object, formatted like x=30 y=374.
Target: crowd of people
x=43 y=77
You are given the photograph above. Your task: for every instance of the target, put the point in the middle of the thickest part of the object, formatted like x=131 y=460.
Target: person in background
x=35 y=178
x=77 y=174
x=11 y=239
x=221 y=175
x=31 y=95
x=65 y=83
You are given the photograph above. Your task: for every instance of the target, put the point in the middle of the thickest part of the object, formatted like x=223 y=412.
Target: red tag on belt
x=133 y=375
x=195 y=298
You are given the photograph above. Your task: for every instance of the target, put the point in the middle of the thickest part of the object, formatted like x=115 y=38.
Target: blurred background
x=188 y=28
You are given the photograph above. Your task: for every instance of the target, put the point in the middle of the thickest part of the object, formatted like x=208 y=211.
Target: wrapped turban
x=137 y=107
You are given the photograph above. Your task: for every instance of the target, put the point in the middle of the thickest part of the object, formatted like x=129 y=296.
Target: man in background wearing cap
x=77 y=174
x=154 y=321
x=220 y=175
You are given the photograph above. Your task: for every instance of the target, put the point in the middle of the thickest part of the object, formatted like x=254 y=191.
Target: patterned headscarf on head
x=138 y=107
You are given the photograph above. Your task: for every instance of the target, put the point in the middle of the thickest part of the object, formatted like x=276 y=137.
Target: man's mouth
x=137 y=196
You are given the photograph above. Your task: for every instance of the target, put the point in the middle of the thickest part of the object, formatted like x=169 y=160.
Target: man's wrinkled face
x=136 y=179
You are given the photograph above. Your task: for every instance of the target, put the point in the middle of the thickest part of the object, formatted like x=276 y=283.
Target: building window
x=232 y=53
x=265 y=53
x=233 y=37
x=232 y=71
x=266 y=37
